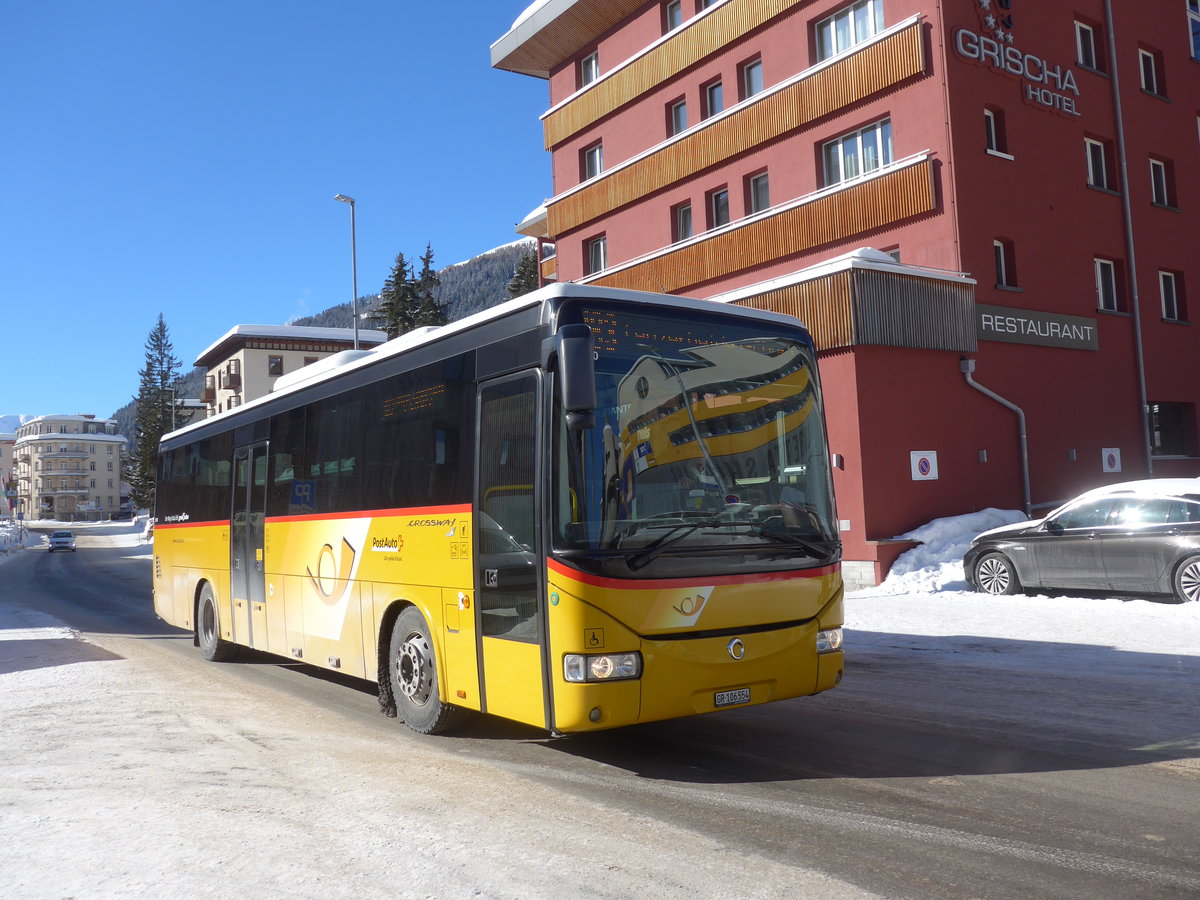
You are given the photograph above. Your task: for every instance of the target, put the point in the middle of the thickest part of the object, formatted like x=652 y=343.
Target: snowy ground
x=110 y=787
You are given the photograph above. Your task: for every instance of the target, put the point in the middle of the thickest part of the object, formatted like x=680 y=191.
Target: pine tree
x=155 y=401
x=397 y=310
x=525 y=277
x=430 y=310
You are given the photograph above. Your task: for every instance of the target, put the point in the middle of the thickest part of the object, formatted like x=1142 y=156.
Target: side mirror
x=574 y=347
x=1053 y=528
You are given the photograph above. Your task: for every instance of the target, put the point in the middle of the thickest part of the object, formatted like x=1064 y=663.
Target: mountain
x=10 y=424
x=467 y=287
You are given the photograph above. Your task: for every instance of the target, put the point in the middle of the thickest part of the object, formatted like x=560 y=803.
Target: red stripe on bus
x=375 y=513
x=669 y=583
x=220 y=523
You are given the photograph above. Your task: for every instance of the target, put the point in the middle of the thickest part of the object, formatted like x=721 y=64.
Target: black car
x=1141 y=537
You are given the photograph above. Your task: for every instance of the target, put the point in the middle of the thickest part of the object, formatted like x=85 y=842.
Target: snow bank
x=13 y=537
x=936 y=565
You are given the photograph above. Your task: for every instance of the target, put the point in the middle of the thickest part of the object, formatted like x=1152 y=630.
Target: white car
x=62 y=540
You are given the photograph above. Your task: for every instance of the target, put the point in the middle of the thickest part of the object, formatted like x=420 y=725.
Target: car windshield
x=708 y=435
x=61 y=534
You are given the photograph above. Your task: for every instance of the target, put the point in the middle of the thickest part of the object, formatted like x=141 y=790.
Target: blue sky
x=182 y=158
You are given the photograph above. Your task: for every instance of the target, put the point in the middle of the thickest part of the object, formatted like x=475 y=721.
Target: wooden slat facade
x=871 y=204
x=684 y=49
x=876 y=68
x=863 y=307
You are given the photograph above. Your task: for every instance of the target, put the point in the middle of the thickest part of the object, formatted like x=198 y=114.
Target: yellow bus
x=582 y=509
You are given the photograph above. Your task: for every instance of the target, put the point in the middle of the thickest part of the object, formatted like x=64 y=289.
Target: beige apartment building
x=68 y=468
x=245 y=362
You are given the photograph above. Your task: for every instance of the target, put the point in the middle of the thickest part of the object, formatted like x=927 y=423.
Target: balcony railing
x=874 y=66
x=892 y=195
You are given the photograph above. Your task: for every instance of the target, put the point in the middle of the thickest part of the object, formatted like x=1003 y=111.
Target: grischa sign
x=1045 y=84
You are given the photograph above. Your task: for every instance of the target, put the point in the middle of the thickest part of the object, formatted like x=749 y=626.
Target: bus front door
x=246 y=544
x=508 y=595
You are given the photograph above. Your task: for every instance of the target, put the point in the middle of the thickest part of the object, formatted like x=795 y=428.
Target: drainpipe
x=967 y=366
x=1127 y=214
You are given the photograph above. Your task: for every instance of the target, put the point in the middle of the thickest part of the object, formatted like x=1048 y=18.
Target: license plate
x=731 y=698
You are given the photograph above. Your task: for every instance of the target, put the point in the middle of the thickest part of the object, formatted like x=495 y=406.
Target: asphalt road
x=926 y=775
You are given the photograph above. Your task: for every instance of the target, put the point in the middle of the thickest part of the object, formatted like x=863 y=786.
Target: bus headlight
x=828 y=641
x=579 y=668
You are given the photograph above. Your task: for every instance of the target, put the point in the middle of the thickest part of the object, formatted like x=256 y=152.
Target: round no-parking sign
x=924 y=465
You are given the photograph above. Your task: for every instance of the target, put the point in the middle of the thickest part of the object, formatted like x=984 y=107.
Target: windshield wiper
x=823 y=550
x=652 y=550
x=827 y=550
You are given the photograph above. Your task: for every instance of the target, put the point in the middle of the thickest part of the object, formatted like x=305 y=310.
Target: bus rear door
x=247 y=581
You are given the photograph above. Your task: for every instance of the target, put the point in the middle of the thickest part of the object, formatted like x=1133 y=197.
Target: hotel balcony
x=888 y=196
x=883 y=62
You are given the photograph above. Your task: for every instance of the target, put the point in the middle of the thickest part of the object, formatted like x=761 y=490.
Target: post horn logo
x=332 y=577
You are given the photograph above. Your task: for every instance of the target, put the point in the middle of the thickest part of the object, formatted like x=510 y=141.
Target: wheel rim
x=1189 y=581
x=414 y=669
x=208 y=622
x=993 y=575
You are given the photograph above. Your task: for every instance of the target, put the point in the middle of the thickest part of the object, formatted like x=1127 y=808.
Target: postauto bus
x=581 y=509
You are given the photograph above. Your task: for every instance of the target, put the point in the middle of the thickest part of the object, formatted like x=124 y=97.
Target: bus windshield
x=709 y=437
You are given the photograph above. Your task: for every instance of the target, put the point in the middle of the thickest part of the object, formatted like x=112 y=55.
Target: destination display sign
x=1025 y=326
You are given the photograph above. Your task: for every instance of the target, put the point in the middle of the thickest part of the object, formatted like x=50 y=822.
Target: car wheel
x=1187 y=580
x=994 y=574
x=208 y=629
x=412 y=669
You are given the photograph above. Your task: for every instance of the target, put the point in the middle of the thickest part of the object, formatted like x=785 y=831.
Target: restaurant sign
x=1025 y=326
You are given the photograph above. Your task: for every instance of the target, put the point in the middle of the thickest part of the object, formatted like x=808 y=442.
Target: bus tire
x=208 y=629
x=995 y=574
x=412 y=668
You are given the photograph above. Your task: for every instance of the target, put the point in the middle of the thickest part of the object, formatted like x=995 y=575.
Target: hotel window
x=758 y=193
x=1170 y=290
x=274 y=366
x=1097 y=164
x=1086 y=53
x=1173 y=429
x=597 y=254
x=1106 y=284
x=718 y=208
x=681 y=222
x=705 y=4
x=995 y=134
x=677 y=117
x=1006 y=263
x=1193 y=14
x=752 y=78
x=589 y=69
x=1161 y=188
x=851 y=26
x=858 y=153
x=672 y=15
x=592 y=161
x=714 y=99
x=1150 y=64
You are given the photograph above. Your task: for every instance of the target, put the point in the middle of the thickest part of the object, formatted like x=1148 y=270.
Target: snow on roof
x=293 y=333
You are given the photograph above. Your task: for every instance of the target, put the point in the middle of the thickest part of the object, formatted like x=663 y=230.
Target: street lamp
x=353 y=264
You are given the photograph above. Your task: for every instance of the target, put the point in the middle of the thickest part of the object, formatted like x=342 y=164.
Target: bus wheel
x=208 y=629
x=413 y=672
x=994 y=574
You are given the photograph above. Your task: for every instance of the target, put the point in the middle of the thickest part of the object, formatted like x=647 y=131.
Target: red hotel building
x=986 y=211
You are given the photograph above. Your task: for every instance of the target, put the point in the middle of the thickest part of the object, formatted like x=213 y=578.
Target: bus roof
x=352 y=360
